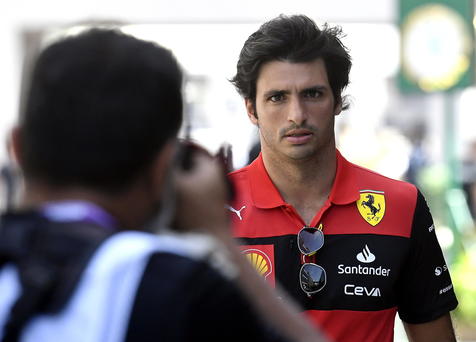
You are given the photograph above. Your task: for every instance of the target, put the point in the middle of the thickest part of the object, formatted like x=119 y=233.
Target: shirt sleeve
x=425 y=289
x=180 y=299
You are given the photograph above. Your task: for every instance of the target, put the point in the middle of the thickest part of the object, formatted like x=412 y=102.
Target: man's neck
x=126 y=208
x=305 y=184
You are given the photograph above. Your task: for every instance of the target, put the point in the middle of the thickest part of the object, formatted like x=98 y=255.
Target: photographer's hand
x=201 y=197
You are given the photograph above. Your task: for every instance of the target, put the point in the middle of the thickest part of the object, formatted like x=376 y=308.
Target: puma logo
x=237 y=212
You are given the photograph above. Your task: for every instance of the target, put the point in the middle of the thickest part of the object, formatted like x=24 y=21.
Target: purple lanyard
x=65 y=211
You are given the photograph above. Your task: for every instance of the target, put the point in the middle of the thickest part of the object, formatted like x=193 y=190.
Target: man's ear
x=338 y=108
x=251 y=111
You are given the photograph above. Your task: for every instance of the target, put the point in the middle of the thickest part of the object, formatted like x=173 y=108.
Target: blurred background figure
x=468 y=177
x=418 y=158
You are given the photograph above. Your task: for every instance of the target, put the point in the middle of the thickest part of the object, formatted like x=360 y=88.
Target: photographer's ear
x=162 y=164
x=14 y=146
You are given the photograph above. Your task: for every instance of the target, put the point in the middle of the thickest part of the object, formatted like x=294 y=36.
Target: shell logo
x=260 y=261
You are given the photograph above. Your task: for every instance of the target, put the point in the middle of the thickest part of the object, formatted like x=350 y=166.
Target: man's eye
x=276 y=98
x=313 y=93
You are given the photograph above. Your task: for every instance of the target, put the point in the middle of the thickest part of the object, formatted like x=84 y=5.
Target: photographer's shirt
x=136 y=286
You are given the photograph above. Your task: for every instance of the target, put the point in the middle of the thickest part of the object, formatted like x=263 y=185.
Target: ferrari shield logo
x=371 y=205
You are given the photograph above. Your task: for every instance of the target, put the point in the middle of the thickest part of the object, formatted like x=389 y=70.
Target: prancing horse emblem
x=237 y=212
x=371 y=206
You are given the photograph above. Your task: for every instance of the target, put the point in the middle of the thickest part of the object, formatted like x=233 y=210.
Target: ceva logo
x=366 y=255
x=352 y=290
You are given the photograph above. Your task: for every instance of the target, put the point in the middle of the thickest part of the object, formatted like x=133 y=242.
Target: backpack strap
x=50 y=257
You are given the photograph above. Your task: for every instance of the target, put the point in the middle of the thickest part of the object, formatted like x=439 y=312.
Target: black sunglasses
x=312 y=277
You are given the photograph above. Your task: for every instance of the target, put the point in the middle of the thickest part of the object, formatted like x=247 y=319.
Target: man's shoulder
x=175 y=261
x=239 y=173
x=166 y=269
x=365 y=178
x=174 y=292
x=241 y=179
x=192 y=248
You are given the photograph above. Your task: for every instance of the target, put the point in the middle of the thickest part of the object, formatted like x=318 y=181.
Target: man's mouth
x=298 y=136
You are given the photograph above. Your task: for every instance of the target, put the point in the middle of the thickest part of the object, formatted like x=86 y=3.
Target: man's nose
x=297 y=111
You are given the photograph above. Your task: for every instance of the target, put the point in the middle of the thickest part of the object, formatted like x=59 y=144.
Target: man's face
x=295 y=109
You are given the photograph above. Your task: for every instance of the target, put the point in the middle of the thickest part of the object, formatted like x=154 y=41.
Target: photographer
x=96 y=144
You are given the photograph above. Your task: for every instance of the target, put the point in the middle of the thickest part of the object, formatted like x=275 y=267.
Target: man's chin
x=301 y=153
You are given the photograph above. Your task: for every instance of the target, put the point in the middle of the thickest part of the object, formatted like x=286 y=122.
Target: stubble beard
x=297 y=153
x=279 y=152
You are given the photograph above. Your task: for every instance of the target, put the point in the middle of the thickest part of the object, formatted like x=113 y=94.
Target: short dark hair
x=295 y=39
x=99 y=108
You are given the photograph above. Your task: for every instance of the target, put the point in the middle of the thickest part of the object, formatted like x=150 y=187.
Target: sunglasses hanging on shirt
x=312 y=277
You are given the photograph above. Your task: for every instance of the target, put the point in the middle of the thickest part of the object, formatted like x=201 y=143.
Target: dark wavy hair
x=295 y=39
x=99 y=108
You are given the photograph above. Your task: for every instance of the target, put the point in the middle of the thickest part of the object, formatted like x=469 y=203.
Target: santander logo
x=366 y=255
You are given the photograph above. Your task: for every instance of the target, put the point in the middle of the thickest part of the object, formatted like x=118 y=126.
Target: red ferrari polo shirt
x=380 y=252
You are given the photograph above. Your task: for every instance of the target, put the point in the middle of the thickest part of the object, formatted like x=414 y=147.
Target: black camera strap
x=50 y=258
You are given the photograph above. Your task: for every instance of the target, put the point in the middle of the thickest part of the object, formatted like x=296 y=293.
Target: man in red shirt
x=352 y=246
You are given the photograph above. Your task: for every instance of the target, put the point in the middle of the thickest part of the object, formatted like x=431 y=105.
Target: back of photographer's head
x=100 y=107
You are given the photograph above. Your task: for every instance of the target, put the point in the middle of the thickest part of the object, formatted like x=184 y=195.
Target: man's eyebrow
x=314 y=88
x=272 y=92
